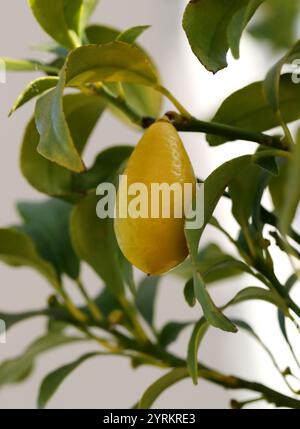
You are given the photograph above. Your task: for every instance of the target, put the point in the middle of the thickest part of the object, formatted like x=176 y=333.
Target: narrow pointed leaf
x=197 y=336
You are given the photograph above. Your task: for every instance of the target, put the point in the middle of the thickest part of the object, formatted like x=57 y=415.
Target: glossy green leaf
x=18 y=250
x=292 y=191
x=63 y=20
x=132 y=34
x=17 y=369
x=82 y=113
x=114 y=62
x=214 y=25
x=239 y=23
x=197 y=336
x=249 y=109
x=94 y=241
x=145 y=297
x=170 y=332
x=277 y=14
x=51 y=383
x=35 y=88
x=159 y=386
x=47 y=223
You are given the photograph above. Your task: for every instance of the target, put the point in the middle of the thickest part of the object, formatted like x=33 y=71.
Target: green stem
x=74 y=311
x=95 y=311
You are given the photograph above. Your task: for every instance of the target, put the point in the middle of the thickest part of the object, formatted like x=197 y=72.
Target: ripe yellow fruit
x=156 y=245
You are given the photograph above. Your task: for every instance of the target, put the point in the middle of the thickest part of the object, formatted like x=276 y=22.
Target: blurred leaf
x=170 y=332
x=277 y=14
x=107 y=302
x=47 y=223
x=145 y=297
x=94 y=241
x=292 y=191
x=16 y=370
x=160 y=385
x=114 y=62
x=132 y=34
x=51 y=383
x=189 y=293
x=249 y=109
x=257 y=293
x=100 y=34
x=212 y=25
x=197 y=336
x=35 y=88
x=13 y=319
x=16 y=65
x=82 y=113
x=18 y=250
x=63 y=20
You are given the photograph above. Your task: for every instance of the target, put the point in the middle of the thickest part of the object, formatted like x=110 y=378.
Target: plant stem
x=95 y=311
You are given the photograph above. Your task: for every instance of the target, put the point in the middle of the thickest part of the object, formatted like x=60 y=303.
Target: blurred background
x=110 y=382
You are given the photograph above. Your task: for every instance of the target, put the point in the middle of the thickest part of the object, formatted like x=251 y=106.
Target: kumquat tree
x=137 y=215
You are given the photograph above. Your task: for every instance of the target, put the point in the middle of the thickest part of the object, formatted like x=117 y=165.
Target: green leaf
x=132 y=34
x=35 y=88
x=82 y=113
x=145 y=297
x=212 y=314
x=239 y=23
x=53 y=380
x=197 y=336
x=213 y=263
x=189 y=293
x=170 y=332
x=15 y=65
x=13 y=319
x=277 y=185
x=212 y=25
x=159 y=386
x=18 y=250
x=94 y=241
x=292 y=190
x=106 y=166
x=101 y=34
x=249 y=109
x=256 y=293
x=243 y=192
x=277 y=14
x=47 y=223
x=272 y=82
x=114 y=62
x=144 y=100
x=214 y=187
x=63 y=20
x=16 y=370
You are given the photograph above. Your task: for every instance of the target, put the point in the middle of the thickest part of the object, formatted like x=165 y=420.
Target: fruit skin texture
x=156 y=245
